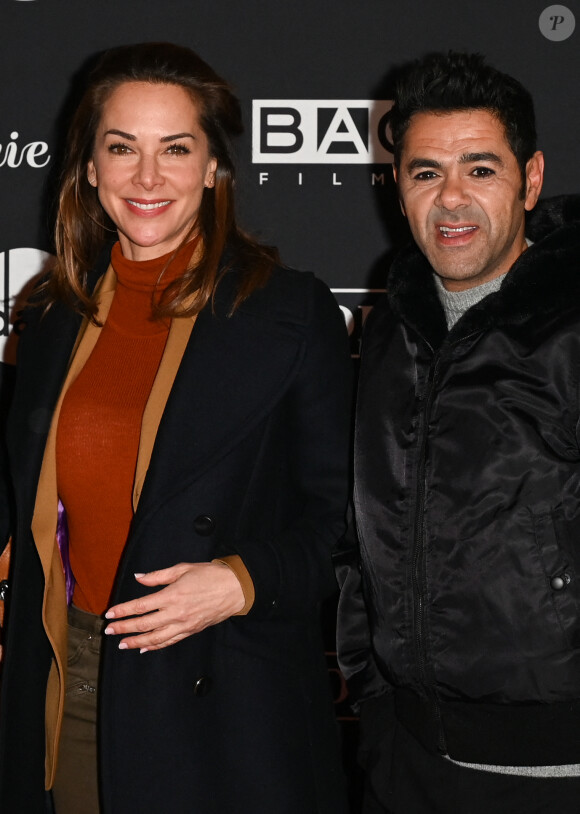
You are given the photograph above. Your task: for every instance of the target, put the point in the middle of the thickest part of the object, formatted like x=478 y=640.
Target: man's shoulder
x=550 y=215
x=544 y=283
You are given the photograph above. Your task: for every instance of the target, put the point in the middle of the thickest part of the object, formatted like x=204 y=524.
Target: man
x=459 y=629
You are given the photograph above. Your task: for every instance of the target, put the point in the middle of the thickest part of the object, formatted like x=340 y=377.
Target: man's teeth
x=455 y=229
x=149 y=205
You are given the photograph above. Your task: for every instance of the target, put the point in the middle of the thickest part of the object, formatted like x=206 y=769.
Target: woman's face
x=150 y=166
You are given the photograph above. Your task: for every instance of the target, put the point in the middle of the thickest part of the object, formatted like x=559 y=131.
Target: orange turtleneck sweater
x=100 y=423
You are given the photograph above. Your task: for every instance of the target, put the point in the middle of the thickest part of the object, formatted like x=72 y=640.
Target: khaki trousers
x=75 y=788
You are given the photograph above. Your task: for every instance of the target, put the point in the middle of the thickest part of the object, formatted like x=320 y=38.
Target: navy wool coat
x=250 y=458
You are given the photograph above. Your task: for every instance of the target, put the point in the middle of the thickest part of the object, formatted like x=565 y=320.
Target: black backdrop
x=339 y=219
x=307 y=73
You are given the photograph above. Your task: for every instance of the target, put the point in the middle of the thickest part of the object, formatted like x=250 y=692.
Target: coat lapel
x=177 y=340
x=233 y=370
x=44 y=522
x=44 y=519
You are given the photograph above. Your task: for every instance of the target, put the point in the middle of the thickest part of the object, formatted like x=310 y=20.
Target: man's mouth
x=450 y=231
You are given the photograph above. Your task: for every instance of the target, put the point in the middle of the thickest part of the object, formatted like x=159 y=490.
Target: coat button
x=560 y=582
x=204 y=525
x=202 y=686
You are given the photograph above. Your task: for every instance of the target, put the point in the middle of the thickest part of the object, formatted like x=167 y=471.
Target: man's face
x=460 y=187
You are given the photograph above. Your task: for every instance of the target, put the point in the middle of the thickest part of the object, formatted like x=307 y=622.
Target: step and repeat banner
x=313 y=77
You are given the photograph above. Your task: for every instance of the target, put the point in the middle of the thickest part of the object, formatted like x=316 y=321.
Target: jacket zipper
x=419 y=560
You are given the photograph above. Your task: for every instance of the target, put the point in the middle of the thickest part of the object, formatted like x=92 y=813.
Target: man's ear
x=396 y=177
x=534 y=179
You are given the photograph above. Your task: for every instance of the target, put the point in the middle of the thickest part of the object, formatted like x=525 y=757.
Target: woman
x=182 y=405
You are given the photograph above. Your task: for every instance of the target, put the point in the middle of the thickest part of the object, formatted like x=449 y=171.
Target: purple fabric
x=62 y=539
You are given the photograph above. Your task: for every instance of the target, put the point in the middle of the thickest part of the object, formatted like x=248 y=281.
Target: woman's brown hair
x=82 y=226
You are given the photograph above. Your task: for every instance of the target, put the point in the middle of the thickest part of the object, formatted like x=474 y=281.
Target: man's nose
x=452 y=192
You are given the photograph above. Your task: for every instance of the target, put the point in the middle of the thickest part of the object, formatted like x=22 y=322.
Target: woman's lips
x=146 y=206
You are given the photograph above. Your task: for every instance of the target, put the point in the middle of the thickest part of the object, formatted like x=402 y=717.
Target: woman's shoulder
x=290 y=295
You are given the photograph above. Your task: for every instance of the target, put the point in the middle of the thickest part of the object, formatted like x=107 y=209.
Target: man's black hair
x=458 y=81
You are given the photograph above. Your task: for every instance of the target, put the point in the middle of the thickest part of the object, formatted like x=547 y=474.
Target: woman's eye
x=119 y=149
x=178 y=149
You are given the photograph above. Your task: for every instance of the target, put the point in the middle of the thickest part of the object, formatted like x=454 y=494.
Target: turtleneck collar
x=144 y=275
x=139 y=285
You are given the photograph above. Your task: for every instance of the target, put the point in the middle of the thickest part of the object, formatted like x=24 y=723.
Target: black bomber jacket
x=467 y=501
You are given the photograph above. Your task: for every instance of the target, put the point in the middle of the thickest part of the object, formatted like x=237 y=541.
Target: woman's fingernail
x=144 y=650
x=123 y=646
x=109 y=615
x=138 y=575
x=108 y=630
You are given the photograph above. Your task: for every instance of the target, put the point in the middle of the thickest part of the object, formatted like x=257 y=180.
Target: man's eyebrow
x=416 y=163
x=466 y=158
x=471 y=158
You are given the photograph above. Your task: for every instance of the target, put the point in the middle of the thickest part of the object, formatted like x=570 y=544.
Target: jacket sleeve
x=371 y=695
x=354 y=643
x=292 y=572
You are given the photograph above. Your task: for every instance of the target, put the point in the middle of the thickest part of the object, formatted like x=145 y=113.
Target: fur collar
x=544 y=282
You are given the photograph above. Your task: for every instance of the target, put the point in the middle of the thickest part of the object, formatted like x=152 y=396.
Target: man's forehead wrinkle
x=470 y=158
x=475 y=133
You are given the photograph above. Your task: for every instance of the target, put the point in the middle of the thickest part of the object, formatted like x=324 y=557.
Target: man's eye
x=425 y=175
x=482 y=172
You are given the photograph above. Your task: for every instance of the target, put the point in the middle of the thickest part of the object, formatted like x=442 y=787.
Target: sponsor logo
x=320 y=131
x=19 y=268
x=13 y=154
x=334 y=179
x=356 y=304
x=557 y=23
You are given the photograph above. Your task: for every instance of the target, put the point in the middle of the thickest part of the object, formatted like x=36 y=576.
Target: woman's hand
x=195 y=596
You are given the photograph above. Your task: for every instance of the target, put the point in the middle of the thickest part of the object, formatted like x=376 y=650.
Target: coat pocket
x=559 y=570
